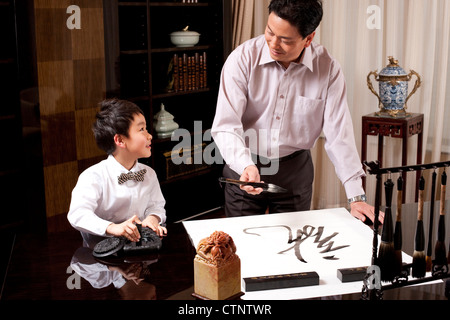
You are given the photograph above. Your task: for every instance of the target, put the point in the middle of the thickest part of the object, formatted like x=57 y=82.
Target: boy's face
x=139 y=140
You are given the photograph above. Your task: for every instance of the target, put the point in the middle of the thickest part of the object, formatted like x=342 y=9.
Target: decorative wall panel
x=71 y=78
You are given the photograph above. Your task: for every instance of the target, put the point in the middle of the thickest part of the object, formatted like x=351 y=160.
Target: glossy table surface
x=41 y=267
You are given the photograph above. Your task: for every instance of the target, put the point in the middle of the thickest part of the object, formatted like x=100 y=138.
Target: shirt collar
x=118 y=167
x=306 y=58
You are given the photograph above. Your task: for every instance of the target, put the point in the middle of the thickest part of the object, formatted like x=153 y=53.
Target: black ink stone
x=108 y=247
x=352 y=274
x=149 y=242
x=283 y=281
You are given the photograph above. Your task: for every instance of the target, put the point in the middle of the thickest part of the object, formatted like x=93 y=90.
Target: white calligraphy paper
x=322 y=241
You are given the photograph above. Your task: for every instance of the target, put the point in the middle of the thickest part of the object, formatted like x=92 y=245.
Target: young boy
x=115 y=194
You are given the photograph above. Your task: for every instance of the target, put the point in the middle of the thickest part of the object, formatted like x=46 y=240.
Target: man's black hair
x=305 y=15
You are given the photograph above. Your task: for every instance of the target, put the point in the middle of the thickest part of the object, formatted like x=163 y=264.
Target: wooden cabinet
x=146 y=68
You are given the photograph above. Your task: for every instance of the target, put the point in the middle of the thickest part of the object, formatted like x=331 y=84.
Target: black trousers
x=295 y=173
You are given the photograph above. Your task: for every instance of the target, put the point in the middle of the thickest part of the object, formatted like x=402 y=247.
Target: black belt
x=264 y=160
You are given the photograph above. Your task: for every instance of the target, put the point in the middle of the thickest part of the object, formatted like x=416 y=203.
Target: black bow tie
x=137 y=176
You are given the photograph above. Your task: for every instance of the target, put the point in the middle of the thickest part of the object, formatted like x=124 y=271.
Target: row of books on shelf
x=189 y=73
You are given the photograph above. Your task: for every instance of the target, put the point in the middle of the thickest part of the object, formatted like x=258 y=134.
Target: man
x=278 y=92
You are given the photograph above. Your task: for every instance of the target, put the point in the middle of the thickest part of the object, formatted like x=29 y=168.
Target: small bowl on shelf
x=185 y=38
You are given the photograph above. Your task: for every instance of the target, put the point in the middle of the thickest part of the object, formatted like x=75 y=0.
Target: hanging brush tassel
x=428 y=262
x=386 y=253
x=439 y=250
x=398 y=237
x=419 y=264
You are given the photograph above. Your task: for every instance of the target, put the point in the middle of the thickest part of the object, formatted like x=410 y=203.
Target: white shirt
x=98 y=200
x=97 y=274
x=286 y=109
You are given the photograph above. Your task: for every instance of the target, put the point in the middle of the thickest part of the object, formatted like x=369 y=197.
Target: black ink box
x=282 y=281
x=352 y=274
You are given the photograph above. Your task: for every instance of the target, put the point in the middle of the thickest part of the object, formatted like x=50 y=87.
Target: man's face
x=284 y=41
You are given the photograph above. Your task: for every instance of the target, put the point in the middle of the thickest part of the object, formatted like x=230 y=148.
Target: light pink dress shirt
x=271 y=111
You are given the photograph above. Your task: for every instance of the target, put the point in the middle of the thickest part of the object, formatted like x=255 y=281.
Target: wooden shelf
x=167 y=50
x=179 y=93
x=168 y=95
x=179 y=49
x=132 y=52
x=132 y=4
x=178 y=4
x=161 y=4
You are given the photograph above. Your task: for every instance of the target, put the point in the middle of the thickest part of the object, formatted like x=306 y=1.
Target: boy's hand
x=125 y=229
x=152 y=222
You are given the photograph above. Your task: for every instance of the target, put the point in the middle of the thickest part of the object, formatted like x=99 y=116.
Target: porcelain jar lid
x=393 y=69
x=163 y=115
x=185 y=32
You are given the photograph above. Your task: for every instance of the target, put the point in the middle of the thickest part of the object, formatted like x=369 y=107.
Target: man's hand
x=125 y=229
x=251 y=174
x=362 y=211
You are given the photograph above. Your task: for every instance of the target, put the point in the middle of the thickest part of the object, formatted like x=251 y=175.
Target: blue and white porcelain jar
x=393 y=86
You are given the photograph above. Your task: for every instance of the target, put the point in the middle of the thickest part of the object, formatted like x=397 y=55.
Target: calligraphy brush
x=386 y=253
x=430 y=230
x=439 y=250
x=398 y=228
x=419 y=264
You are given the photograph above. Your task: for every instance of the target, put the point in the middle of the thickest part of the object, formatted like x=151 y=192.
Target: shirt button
x=278 y=118
x=281 y=97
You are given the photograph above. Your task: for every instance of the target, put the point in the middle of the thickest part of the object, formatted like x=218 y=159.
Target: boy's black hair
x=115 y=117
x=305 y=15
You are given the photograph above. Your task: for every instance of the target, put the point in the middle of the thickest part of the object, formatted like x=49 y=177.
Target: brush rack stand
x=439 y=272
